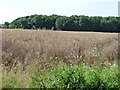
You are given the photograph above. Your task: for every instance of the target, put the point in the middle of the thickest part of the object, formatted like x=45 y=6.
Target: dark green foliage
x=95 y=23
x=61 y=23
x=6 y=25
x=37 y=22
x=109 y=24
x=72 y=23
x=84 y=23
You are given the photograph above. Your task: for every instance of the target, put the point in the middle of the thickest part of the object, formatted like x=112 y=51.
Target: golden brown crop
x=24 y=45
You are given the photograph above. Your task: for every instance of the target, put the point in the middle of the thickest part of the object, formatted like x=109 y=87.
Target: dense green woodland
x=72 y=23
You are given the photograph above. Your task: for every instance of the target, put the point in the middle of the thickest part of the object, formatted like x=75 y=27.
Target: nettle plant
x=78 y=76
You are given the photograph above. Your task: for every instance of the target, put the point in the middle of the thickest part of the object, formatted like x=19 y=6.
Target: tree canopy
x=71 y=23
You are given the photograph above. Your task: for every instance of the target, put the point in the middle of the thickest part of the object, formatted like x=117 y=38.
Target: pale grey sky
x=12 y=9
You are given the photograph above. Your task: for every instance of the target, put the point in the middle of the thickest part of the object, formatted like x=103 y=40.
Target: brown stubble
x=45 y=46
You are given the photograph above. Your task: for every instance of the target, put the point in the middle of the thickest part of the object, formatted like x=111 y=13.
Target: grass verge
x=60 y=75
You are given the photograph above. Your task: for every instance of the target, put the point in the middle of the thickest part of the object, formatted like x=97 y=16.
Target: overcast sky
x=12 y=9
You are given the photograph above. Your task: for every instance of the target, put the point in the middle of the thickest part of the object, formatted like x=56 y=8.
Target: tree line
x=71 y=23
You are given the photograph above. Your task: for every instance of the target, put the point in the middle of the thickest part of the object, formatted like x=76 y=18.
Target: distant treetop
x=71 y=23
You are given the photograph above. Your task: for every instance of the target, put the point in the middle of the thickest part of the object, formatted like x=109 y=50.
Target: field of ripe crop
x=29 y=56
